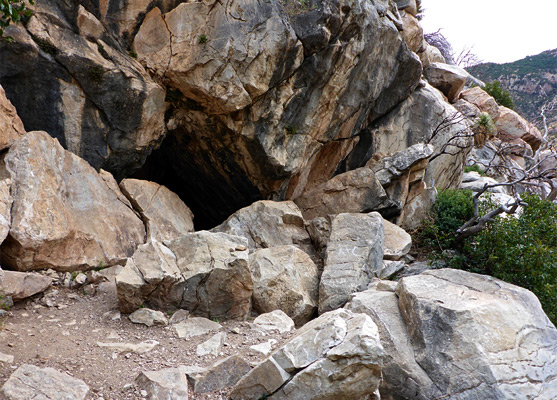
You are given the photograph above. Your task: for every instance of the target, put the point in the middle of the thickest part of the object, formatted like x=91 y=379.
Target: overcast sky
x=499 y=30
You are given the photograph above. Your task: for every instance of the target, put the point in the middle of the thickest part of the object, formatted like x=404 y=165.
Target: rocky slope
x=306 y=135
x=531 y=81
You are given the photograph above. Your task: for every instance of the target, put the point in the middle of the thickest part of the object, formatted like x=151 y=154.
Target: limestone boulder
x=64 y=215
x=511 y=126
x=478 y=337
x=425 y=117
x=20 y=285
x=165 y=215
x=338 y=344
x=276 y=320
x=449 y=79
x=475 y=182
x=403 y=378
x=431 y=54
x=267 y=224
x=481 y=99
x=99 y=102
x=397 y=242
x=217 y=280
x=11 y=127
x=354 y=255
x=169 y=383
x=285 y=278
x=148 y=317
x=224 y=373
x=351 y=192
x=150 y=277
x=31 y=382
x=195 y=326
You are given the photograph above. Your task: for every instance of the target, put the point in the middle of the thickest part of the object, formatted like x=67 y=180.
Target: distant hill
x=527 y=80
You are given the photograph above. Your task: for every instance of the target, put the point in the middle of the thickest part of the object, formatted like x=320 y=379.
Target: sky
x=498 y=31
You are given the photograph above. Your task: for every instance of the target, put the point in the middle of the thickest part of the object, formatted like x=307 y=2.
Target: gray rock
x=213 y=346
x=31 y=382
x=397 y=242
x=165 y=384
x=390 y=268
x=179 y=316
x=137 y=348
x=6 y=358
x=351 y=192
x=478 y=337
x=274 y=321
x=449 y=79
x=224 y=373
x=148 y=317
x=338 y=344
x=20 y=285
x=195 y=326
x=354 y=256
x=285 y=278
x=263 y=348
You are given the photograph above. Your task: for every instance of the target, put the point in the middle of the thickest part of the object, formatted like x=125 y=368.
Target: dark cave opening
x=210 y=182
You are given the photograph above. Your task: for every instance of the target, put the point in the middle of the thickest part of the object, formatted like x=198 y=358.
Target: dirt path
x=64 y=336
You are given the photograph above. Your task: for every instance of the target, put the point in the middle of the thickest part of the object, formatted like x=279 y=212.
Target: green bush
x=519 y=249
x=474 y=168
x=12 y=11
x=501 y=96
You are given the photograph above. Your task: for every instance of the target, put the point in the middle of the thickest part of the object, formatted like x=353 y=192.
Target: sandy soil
x=64 y=336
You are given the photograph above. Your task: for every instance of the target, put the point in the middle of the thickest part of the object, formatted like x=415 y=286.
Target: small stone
x=179 y=316
x=275 y=320
x=264 y=348
x=167 y=383
x=6 y=358
x=212 y=346
x=81 y=278
x=148 y=317
x=139 y=348
x=113 y=315
x=195 y=326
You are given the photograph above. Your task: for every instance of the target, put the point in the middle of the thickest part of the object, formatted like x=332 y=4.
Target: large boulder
x=425 y=117
x=351 y=192
x=511 y=126
x=412 y=32
x=166 y=217
x=11 y=127
x=403 y=378
x=479 y=337
x=481 y=99
x=449 y=79
x=285 y=278
x=336 y=356
x=64 y=216
x=268 y=224
x=99 y=102
x=203 y=272
x=354 y=255
x=269 y=112
x=215 y=269
x=20 y=285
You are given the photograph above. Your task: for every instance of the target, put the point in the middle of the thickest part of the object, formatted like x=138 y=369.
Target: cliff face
x=531 y=81
x=241 y=101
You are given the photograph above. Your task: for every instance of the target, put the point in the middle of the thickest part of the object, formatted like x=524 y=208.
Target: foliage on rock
x=12 y=11
x=501 y=96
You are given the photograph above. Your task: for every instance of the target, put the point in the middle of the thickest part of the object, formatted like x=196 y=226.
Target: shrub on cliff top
x=501 y=96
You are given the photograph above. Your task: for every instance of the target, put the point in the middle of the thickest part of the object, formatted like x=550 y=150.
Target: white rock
x=167 y=384
x=139 y=348
x=274 y=320
x=195 y=326
x=213 y=346
x=148 y=317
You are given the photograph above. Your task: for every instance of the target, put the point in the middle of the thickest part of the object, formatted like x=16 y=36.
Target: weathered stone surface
x=285 y=278
x=416 y=210
x=6 y=358
x=166 y=384
x=397 y=241
x=275 y=320
x=150 y=277
x=354 y=255
x=449 y=79
x=20 y=285
x=415 y=121
x=475 y=182
x=148 y=317
x=213 y=346
x=337 y=355
x=511 y=126
x=217 y=280
x=31 y=382
x=478 y=337
x=6 y=201
x=412 y=32
x=481 y=99
x=431 y=54
x=288 y=136
x=390 y=268
x=11 y=127
x=99 y=102
x=64 y=215
x=195 y=326
x=165 y=216
x=351 y=192
x=222 y=374
x=268 y=224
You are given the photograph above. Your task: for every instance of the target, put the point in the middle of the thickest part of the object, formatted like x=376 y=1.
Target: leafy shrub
x=483 y=128
x=519 y=249
x=474 y=168
x=12 y=11
x=501 y=96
